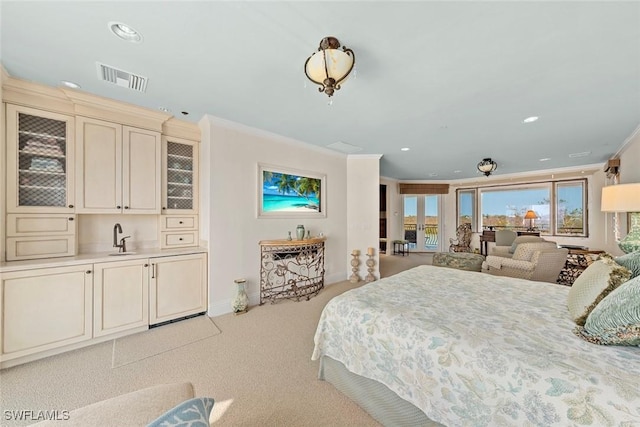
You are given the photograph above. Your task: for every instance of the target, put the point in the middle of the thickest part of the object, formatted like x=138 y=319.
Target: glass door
x=39 y=153
x=422 y=222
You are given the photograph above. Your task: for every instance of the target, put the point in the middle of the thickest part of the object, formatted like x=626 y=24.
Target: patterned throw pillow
x=193 y=412
x=600 y=278
x=523 y=239
x=630 y=261
x=616 y=320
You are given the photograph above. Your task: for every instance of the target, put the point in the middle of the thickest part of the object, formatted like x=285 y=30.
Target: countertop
x=94 y=258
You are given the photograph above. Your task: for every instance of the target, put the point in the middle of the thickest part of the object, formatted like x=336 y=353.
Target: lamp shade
x=621 y=198
x=624 y=198
x=530 y=215
x=486 y=166
x=329 y=66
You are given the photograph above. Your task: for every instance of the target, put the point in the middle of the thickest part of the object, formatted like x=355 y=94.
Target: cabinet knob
x=180 y=222
x=88 y=271
x=146 y=265
x=164 y=207
x=71 y=206
x=126 y=207
x=70 y=219
x=118 y=207
x=180 y=239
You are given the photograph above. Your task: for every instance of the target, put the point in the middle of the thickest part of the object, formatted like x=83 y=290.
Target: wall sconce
x=624 y=198
x=486 y=166
x=530 y=215
x=329 y=66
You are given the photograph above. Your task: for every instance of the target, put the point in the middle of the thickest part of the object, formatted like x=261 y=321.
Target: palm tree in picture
x=286 y=183
x=308 y=187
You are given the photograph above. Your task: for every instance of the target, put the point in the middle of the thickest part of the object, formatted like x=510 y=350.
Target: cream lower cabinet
x=31 y=236
x=177 y=287
x=120 y=296
x=44 y=309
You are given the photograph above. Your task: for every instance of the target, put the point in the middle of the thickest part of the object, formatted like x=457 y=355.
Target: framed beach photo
x=290 y=193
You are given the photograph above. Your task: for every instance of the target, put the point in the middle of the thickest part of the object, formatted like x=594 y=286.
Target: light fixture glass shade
x=486 y=166
x=329 y=66
x=624 y=198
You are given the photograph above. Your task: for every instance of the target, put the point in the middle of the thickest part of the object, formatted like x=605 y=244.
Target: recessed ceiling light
x=457 y=171
x=405 y=149
x=125 y=32
x=70 y=84
x=433 y=174
x=544 y=159
x=530 y=119
x=165 y=109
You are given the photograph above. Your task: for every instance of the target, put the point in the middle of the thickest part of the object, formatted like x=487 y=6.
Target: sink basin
x=122 y=253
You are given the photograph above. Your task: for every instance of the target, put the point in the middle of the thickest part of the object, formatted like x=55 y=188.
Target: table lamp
x=530 y=215
x=624 y=198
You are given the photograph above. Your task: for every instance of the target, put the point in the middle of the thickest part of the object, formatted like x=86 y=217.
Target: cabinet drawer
x=39 y=224
x=40 y=247
x=174 y=240
x=179 y=222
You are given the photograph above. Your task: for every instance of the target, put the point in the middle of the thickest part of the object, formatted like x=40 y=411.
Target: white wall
x=363 y=209
x=229 y=205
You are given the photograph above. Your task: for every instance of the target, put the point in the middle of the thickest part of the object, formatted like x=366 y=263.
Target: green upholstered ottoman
x=460 y=260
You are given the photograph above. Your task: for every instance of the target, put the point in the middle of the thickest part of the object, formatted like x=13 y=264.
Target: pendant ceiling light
x=486 y=166
x=329 y=66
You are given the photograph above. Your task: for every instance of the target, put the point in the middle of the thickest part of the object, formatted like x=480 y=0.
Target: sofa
x=138 y=408
x=541 y=261
x=505 y=246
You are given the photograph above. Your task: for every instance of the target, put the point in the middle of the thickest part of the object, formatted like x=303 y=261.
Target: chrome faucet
x=122 y=246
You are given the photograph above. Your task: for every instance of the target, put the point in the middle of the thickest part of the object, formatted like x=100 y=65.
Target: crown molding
x=181 y=129
x=75 y=102
x=98 y=107
x=22 y=92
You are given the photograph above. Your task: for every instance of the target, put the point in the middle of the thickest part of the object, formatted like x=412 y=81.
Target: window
x=560 y=207
x=570 y=208
x=467 y=207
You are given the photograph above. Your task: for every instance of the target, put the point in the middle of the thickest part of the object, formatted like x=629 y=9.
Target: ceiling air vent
x=122 y=78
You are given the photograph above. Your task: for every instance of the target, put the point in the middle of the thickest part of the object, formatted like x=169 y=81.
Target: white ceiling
x=450 y=80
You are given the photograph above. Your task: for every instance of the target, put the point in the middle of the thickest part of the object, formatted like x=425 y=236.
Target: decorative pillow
x=523 y=239
x=600 y=278
x=193 y=412
x=630 y=261
x=616 y=320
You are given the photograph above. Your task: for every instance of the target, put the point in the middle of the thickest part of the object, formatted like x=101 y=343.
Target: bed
x=439 y=346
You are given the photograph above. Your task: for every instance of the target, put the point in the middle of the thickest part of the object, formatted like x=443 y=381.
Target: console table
x=291 y=269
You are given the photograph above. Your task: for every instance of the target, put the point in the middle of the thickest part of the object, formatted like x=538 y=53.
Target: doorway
x=421 y=222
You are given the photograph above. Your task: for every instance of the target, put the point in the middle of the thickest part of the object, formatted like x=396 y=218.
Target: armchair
x=541 y=261
x=462 y=242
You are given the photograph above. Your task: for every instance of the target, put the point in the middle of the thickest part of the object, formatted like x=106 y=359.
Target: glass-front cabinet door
x=39 y=161
x=179 y=176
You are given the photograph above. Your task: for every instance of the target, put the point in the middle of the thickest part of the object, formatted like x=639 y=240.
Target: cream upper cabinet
x=179 y=176
x=117 y=168
x=44 y=309
x=40 y=156
x=177 y=287
x=121 y=296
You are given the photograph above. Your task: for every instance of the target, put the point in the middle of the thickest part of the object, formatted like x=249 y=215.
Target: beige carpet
x=133 y=348
x=258 y=369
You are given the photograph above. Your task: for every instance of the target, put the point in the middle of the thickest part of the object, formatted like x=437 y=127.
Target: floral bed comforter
x=472 y=349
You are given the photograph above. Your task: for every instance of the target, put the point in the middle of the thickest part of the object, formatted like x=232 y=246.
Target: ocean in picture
x=280 y=202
